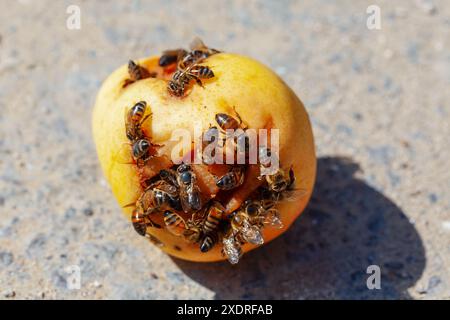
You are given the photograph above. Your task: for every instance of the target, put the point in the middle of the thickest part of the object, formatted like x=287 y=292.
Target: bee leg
x=199 y=82
x=153 y=224
x=150 y=222
x=239 y=118
x=127 y=82
x=128 y=205
x=145 y=118
x=291 y=178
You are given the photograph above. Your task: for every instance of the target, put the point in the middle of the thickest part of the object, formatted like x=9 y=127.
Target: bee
x=175 y=223
x=194 y=224
x=134 y=118
x=199 y=52
x=245 y=230
x=143 y=150
x=136 y=72
x=141 y=221
x=227 y=122
x=280 y=180
x=169 y=176
x=190 y=59
x=189 y=191
x=255 y=208
x=198 y=45
x=208 y=242
x=231 y=249
x=232 y=179
x=201 y=72
x=181 y=78
x=210 y=226
x=169 y=57
x=263 y=213
x=192 y=233
x=156 y=196
x=209 y=143
x=214 y=216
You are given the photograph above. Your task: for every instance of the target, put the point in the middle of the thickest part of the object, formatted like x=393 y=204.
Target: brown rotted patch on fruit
x=151 y=169
x=232 y=201
x=206 y=181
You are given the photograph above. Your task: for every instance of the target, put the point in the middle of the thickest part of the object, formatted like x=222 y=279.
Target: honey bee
x=143 y=150
x=213 y=218
x=141 y=221
x=156 y=196
x=169 y=176
x=192 y=233
x=210 y=226
x=263 y=213
x=199 y=52
x=255 y=208
x=244 y=230
x=280 y=180
x=181 y=78
x=201 y=72
x=198 y=45
x=209 y=143
x=189 y=191
x=231 y=249
x=169 y=57
x=232 y=179
x=134 y=118
x=208 y=242
x=227 y=122
x=140 y=149
x=174 y=223
x=136 y=72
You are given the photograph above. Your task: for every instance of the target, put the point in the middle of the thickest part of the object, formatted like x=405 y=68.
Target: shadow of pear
x=347 y=227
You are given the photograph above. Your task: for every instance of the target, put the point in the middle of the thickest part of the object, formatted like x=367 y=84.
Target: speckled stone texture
x=379 y=105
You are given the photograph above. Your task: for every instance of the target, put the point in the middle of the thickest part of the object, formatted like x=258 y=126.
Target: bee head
x=167 y=213
x=185 y=177
x=252 y=209
x=175 y=88
x=144 y=144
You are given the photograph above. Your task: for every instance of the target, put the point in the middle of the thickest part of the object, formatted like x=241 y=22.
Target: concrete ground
x=378 y=101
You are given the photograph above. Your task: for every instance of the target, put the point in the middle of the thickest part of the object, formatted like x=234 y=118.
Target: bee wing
x=197 y=44
x=196 y=197
x=293 y=195
x=170 y=189
x=184 y=199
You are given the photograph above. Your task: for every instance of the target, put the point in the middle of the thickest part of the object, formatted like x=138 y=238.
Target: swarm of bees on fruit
x=174 y=193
